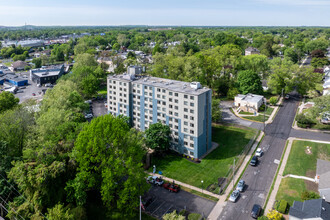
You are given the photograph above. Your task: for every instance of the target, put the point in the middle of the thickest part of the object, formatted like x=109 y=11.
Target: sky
x=168 y=12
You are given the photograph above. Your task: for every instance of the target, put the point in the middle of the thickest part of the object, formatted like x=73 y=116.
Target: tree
x=318 y=44
x=109 y=157
x=59 y=212
x=273 y=100
x=317 y=54
x=173 y=216
x=305 y=79
x=281 y=77
x=37 y=62
x=216 y=111
x=319 y=62
x=85 y=59
x=322 y=105
x=291 y=55
x=116 y=46
x=249 y=82
x=274 y=215
x=158 y=136
x=7 y=101
x=256 y=63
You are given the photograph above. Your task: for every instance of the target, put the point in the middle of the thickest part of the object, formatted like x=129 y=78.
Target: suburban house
x=18 y=65
x=326 y=84
x=249 y=102
x=251 y=50
x=184 y=107
x=315 y=209
x=323 y=178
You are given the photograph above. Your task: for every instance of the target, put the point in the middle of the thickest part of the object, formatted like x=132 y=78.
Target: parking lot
x=166 y=202
x=99 y=108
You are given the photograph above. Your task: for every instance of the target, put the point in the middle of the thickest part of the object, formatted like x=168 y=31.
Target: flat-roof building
x=184 y=107
x=13 y=79
x=46 y=75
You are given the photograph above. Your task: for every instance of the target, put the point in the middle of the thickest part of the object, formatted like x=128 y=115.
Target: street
x=259 y=178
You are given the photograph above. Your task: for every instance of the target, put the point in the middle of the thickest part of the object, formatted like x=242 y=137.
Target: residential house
x=323 y=178
x=18 y=65
x=315 y=209
x=251 y=50
x=249 y=102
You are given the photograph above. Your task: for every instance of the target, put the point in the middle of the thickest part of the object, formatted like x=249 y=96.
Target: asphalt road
x=259 y=178
x=165 y=202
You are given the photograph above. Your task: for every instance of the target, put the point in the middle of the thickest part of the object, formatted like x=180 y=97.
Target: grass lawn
x=102 y=90
x=245 y=113
x=259 y=118
x=302 y=164
x=269 y=110
x=231 y=140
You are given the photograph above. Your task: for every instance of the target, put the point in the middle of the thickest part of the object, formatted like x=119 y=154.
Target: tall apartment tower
x=184 y=107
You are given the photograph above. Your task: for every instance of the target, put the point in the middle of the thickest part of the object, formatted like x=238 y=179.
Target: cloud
x=297 y=2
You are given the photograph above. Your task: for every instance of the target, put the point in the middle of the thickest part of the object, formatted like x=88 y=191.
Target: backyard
x=260 y=117
x=303 y=163
x=231 y=140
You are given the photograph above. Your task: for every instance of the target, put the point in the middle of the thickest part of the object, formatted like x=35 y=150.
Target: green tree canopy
x=7 y=101
x=158 y=136
x=109 y=157
x=249 y=82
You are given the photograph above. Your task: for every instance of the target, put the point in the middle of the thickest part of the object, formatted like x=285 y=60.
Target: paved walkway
x=215 y=213
x=300 y=177
x=279 y=177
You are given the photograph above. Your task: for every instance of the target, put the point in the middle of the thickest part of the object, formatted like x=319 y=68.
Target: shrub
x=308 y=195
x=282 y=206
x=262 y=108
x=273 y=100
x=232 y=92
x=303 y=121
x=182 y=212
x=262 y=218
x=194 y=216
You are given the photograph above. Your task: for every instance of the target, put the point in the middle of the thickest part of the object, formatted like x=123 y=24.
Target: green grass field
x=302 y=164
x=259 y=118
x=231 y=140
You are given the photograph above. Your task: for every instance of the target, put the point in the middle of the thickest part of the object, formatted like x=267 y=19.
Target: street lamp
x=202 y=185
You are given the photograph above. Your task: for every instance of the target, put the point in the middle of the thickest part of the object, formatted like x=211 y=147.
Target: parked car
x=33 y=94
x=22 y=87
x=259 y=152
x=87 y=116
x=254 y=161
x=155 y=180
x=171 y=187
x=287 y=96
x=48 y=85
x=234 y=195
x=88 y=101
x=240 y=186
x=256 y=209
x=19 y=91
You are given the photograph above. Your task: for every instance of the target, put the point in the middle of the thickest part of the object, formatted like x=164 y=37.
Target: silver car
x=240 y=186
x=233 y=197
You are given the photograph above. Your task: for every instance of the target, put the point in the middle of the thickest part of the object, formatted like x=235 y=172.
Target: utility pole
x=140 y=208
x=234 y=173
x=265 y=101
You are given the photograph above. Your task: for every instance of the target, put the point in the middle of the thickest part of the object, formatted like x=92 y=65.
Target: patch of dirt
x=311 y=186
x=291 y=192
x=311 y=173
x=323 y=156
x=308 y=150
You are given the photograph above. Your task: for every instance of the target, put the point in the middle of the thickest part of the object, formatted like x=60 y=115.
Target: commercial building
x=184 y=107
x=13 y=80
x=46 y=75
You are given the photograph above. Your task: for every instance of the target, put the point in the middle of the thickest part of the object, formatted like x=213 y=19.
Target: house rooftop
x=315 y=208
x=252 y=49
x=172 y=85
x=250 y=97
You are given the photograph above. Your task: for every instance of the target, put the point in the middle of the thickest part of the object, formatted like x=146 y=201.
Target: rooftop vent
x=195 y=85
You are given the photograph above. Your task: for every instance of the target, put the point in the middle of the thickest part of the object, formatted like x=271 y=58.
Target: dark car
x=255 y=211
x=287 y=97
x=254 y=161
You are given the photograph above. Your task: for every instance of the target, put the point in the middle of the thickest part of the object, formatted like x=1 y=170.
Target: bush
x=262 y=108
x=308 y=195
x=232 y=92
x=282 y=206
x=273 y=100
x=303 y=121
x=262 y=218
x=194 y=216
x=182 y=212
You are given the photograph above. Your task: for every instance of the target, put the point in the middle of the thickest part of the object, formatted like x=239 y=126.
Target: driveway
x=229 y=117
x=166 y=202
x=99 y=108
x=259 y=178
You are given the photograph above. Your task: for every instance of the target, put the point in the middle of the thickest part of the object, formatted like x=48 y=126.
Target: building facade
x=49 y=75
x=184 y=107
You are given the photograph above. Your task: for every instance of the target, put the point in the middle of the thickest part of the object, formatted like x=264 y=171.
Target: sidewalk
x=279 y=177
x=215 y=213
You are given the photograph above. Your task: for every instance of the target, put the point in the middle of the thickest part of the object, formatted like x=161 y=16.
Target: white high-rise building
x=184 y=107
